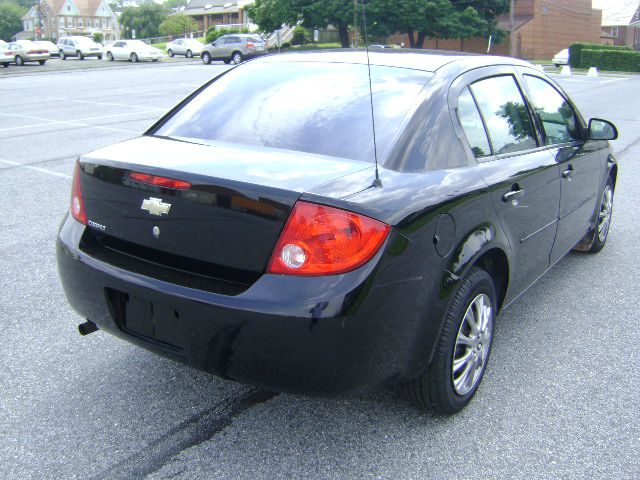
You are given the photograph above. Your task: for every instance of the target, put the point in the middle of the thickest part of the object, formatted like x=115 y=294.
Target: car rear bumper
x=323 y=335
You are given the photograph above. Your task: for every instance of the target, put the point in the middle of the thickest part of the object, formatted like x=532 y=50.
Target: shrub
x=214 y=33
x=286 y=45
x=98 y=37
x=612 y=60
x=300 y=36
x=575 y=52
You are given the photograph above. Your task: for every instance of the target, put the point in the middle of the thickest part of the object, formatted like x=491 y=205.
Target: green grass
x=315 y=46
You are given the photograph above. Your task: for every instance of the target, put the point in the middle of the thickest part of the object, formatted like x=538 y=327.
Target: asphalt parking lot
x=559 y=400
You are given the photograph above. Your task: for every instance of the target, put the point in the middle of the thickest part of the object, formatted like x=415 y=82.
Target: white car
x=561 y=58
x=50 y=46
x=134 y=50
x=77 y=46
x=6 y=55
x=184 y=46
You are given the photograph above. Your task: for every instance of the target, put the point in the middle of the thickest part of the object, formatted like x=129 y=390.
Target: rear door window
x=556 y=115
x=505 y=113
x=472 y=124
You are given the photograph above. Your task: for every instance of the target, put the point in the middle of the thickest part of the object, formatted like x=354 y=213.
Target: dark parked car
x=249 y=232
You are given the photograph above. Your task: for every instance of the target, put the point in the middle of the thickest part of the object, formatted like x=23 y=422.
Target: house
x=53 y=19
x=541 y=29
x=223 y=13
x=622 y=22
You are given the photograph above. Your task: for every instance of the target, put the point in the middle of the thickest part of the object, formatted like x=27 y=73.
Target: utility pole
x=512 y=37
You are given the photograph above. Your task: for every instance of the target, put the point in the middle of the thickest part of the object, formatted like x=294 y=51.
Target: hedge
x=214 y=33
x=621 y=60
x=575 y=52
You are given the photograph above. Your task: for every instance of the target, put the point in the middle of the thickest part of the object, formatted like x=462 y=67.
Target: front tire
x=206 y=58
x=452 y=378
x=19 y=60
x=5 y=65
x=110 y=56
x=170 y=52
x=236 y=58
x=80 y=55
x=63 y=56
x=189 y=54
x=134 y=58
x=99 y=57
x=42 y=62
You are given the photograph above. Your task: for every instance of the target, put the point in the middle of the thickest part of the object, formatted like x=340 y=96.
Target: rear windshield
x=320 y=108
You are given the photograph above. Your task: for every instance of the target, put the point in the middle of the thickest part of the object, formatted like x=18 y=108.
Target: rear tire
x=5 y=65
x=134 y=58
x=189 y=54
x=80 y=55
x=19 y=60
x=63 y=56
x=462 y=352
x=206 y=58
x=110 y=56
x=170 y=52
x=42 y=62
x=236 y=58
x=99 y=57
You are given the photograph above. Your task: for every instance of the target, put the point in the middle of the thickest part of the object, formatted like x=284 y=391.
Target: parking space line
x=36 y=169
x=74 y=123
x=109 y=104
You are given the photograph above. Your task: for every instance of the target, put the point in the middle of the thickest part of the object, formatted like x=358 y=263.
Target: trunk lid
x=224 y=226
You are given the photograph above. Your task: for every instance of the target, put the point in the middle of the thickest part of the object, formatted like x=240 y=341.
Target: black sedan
x=252 y=233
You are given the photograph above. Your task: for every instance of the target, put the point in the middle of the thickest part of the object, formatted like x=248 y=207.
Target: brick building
x=541 y=27
x=222 y=13
x=58 y=18
x=621 y=21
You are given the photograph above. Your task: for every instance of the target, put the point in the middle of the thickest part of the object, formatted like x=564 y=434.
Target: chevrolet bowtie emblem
x=155 y=206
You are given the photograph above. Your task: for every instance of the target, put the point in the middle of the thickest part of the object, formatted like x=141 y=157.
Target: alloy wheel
x=473 y=342
x=134 y=58
x=606 y=211
x=237 y=58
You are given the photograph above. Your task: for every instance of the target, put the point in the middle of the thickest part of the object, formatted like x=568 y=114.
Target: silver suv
x=80 y=47
x=234 y=48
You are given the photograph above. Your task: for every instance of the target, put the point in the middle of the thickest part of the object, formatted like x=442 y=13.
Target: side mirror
x=602 y=130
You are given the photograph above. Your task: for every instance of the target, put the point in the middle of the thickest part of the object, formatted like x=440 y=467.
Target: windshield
x=137 y=44
x=321 y=108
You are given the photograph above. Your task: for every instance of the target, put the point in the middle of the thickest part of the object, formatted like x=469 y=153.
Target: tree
x=178 y=24
x=145 y=20
x=10 y=20
x=171 y=4
x=322 y=13
x=270 y=15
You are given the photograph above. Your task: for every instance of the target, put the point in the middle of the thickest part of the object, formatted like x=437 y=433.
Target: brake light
x=250 y=45
x=77 y=203
x=159 y=181
x=319 y=240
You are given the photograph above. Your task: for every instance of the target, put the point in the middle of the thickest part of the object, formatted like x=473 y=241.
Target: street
x=559 y=399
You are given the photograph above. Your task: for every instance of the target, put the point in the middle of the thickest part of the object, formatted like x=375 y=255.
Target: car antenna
x=377 y=182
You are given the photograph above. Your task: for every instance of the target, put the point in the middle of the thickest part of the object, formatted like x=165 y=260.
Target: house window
x=69 y=22
x=96 y=23
x=61 y=22
x=79 y=22
x=614 y=31
x=104 y=24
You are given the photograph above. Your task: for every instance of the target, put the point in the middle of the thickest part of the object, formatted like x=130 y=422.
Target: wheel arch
x=613 y=171
x=483 y=247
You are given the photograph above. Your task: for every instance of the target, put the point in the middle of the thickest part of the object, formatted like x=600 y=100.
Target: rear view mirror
x=602 y=130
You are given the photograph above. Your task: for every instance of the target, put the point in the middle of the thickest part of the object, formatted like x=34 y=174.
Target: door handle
x=568 y=173
x=512 y=195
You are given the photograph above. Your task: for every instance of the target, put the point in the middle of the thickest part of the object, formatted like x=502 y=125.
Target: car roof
x=427 y=60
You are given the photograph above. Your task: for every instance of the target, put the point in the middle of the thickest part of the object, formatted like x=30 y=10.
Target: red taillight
x=159 y=181
x=250 y=45
x=319 y=240
x=77 y=203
